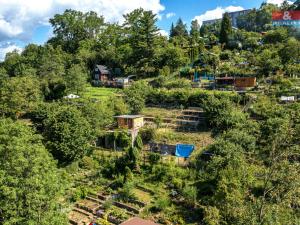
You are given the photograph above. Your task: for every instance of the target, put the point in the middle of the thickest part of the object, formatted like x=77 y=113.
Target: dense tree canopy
x=30 y=183
x=247 y=174
x=68 y=134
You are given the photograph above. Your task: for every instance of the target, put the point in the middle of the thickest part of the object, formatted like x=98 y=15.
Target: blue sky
x=23 y=22
x=189 y=9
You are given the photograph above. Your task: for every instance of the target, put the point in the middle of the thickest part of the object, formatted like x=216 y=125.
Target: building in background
x=102 y=73
x=233 y=16
x=211 y=22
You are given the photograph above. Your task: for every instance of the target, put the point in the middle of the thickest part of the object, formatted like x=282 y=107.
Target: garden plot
x=94 y=207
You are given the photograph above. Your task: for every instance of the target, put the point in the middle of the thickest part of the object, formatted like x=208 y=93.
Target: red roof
x=138 y=221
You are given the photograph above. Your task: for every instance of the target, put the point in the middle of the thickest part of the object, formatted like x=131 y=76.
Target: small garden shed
x=102 y=73
x=132 y=122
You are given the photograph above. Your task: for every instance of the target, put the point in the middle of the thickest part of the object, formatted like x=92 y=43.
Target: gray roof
x=103 y=69
x=129 y=116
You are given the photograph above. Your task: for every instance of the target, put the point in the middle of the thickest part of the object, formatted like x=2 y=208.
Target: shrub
x=147 y=134
x=158 y=121
x=160 y=173
x=190 y=194
x=107 y=204
x=154 y=158
x=126 y=194
x=161 y=204
x=80 y=193
x=87 y=163
x=139 y=143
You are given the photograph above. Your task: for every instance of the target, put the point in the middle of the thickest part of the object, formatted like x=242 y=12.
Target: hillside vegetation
x=246 y=166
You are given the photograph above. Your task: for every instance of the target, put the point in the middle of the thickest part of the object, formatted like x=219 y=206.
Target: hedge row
x=186 y=97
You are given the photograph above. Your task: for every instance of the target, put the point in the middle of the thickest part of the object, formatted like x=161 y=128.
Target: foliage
x=226 y=29
x=161 y=204
x=222 y=115
x=19 y=95
x=126 y=194
x=80 y=193
x=67 y=134
x=140 y=24
x=73 y=26
x=154 y=158
x=275 y=36
x=190 y=194
x=135 y=96
x=30 y=183
x=147 y=134
x=76 y=79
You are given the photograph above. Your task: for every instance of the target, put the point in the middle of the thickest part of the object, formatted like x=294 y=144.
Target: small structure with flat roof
x=131 y=122
x=138 y=221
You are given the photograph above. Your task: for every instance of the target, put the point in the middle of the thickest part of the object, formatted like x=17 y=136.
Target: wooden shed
x=224 y=81
x=102 y=73
x=131 y=122
x=245 y=82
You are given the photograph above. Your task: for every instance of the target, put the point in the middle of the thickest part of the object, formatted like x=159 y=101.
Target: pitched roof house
x=102 y=73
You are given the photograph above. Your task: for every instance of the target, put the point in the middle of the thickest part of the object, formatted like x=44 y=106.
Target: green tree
x=226 y=178
x=195 y=31
x=136 y=96
x=290 y=53
x=73 y=26
x=142 y=30
x=172 y=34
x=222 y=114
x=179 y=29
x=67 y=134
x=279 y=186
x=19 y=95
x=268 y=62
x=226 y=29
x=76 y=79
x=171 y=56
x=276 y=36
x=30 y=184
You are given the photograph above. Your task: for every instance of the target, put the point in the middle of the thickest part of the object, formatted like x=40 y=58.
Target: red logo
x=286 y=15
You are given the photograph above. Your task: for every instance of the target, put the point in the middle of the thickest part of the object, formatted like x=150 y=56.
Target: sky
x=26 y=21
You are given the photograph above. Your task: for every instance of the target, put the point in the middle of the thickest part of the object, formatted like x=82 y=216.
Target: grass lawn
x=142 y=195
x=101 y=93
x=160 y=112
x=170 y=136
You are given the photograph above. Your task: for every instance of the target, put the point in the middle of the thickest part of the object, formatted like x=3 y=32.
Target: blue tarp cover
x=184 y=150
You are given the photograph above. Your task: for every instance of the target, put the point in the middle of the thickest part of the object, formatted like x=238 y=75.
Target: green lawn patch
x=142 y=195
x=101 y=93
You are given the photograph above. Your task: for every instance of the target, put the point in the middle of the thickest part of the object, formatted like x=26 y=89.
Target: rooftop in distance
x=129 y=116
x=138 y=221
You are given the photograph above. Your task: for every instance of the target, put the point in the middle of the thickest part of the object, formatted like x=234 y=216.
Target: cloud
x=6 y=48
x=216 y=13
x=164 y=33
x=20 y=18
x=169 y=15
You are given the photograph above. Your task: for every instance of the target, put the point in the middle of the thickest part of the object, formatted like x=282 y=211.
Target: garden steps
x=88 y=205
x=97 y=200
x=79 y=217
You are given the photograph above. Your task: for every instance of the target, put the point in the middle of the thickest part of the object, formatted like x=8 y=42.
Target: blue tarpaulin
x=184 y=150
